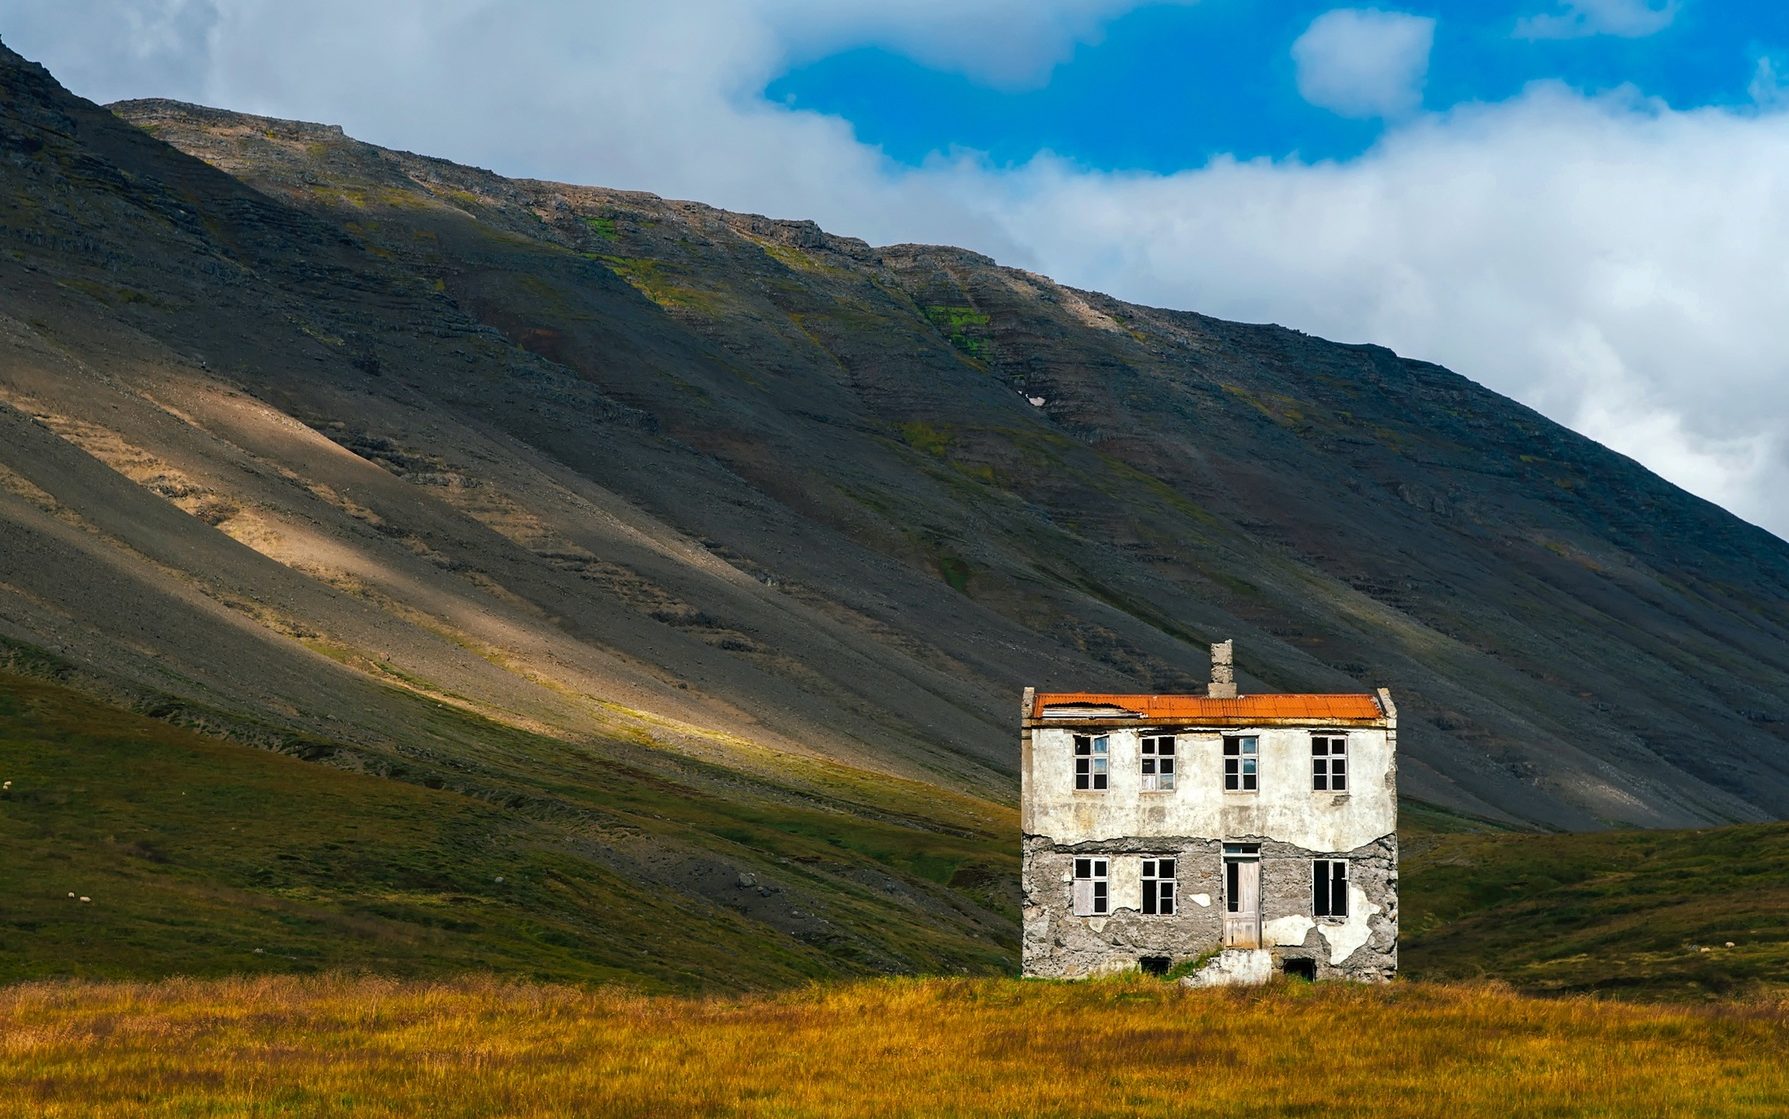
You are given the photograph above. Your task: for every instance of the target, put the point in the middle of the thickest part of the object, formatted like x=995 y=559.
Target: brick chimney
x=1223 y=672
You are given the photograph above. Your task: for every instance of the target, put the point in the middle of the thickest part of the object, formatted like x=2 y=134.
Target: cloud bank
x=1620 y=265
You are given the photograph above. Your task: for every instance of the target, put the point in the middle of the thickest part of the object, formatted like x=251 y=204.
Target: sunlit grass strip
x=377 y=1047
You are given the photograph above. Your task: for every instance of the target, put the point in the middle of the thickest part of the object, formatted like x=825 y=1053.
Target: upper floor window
x=1090 y=761
x=1329 y=887
x=1090 y=887
x=1329 y=763
x=1158 y=763
x=1242 y=760
x=1158 y=886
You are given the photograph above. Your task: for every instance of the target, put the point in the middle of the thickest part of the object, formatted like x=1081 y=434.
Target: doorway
x=1242 y=895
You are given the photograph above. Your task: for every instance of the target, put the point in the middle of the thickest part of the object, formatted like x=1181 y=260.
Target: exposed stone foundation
x=1059 y=944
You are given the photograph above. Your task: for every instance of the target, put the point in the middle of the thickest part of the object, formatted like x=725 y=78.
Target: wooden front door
x=1242 y=900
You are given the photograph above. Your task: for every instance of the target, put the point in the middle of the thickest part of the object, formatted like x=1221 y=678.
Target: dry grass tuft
x=380 y=1047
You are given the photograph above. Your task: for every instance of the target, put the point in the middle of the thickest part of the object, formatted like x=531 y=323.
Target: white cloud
x=1767 y=88
x=1617 y=264
x=1576 y=19
x=1363 y=62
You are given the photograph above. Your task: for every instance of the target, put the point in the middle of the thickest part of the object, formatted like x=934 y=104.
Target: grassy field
x=134 y=849
x=1650 y=914
x=965 y=1047
x=208 y=858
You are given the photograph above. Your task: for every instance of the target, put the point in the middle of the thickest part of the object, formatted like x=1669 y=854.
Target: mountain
x=383 y=461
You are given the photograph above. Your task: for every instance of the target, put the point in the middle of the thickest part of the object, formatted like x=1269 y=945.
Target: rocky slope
x=300 y=431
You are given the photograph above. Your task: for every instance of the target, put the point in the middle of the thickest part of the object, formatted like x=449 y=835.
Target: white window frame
x=1093 y=762
x=1329 y=763
x=1242 y=766
x=1329 y=888
x=1158 y=767
x=1092 y=892
x=1161 y=887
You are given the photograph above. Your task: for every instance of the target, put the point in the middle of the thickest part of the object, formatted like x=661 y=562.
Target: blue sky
x=1169 y=86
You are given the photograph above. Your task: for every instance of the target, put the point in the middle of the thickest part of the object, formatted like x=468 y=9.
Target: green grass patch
x=653 y=279
x=796 y=260
x=964 y=327
x=1659 y=914
x=956 y=571
x=923 y=437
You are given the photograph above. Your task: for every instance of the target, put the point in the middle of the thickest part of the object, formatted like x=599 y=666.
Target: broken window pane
x=1090 y=761
x=1329 y=887
x=1089 y=894
x=1240 y=760
x=1157 y=763
x=1158 y=886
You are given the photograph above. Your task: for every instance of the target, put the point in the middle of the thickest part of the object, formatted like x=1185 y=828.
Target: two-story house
x=1258 y=830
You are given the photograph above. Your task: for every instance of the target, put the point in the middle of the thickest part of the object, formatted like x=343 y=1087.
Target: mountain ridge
x=559 y=446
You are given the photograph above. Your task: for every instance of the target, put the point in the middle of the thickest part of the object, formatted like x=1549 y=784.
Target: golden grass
x=378 y=1047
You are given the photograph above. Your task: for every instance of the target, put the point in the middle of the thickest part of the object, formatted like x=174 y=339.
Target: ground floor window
x=1158 y=887
x=1090 y=887
x=1329 y=887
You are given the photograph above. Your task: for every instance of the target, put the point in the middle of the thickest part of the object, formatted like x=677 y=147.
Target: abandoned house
x=1257 y=833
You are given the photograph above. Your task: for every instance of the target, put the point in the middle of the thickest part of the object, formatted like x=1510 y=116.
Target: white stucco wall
x=1285 y=807
x=1345 y=936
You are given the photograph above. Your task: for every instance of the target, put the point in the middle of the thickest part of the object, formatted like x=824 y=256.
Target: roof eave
x=1195 y=725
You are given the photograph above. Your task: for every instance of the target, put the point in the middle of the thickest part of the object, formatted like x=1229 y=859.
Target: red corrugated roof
x=1195 y=708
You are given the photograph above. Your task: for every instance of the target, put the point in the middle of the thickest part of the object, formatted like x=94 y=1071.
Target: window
x=1090 y=761
x=1158 y=886
x=1329 y=763
x=1329 y=887
x=1090 y=887
x=1241 y=764
x=1158 y=763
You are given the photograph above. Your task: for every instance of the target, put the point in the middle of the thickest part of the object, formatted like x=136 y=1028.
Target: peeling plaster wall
x=1059 y=944
x=1291 y=824
x=1285 y=807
